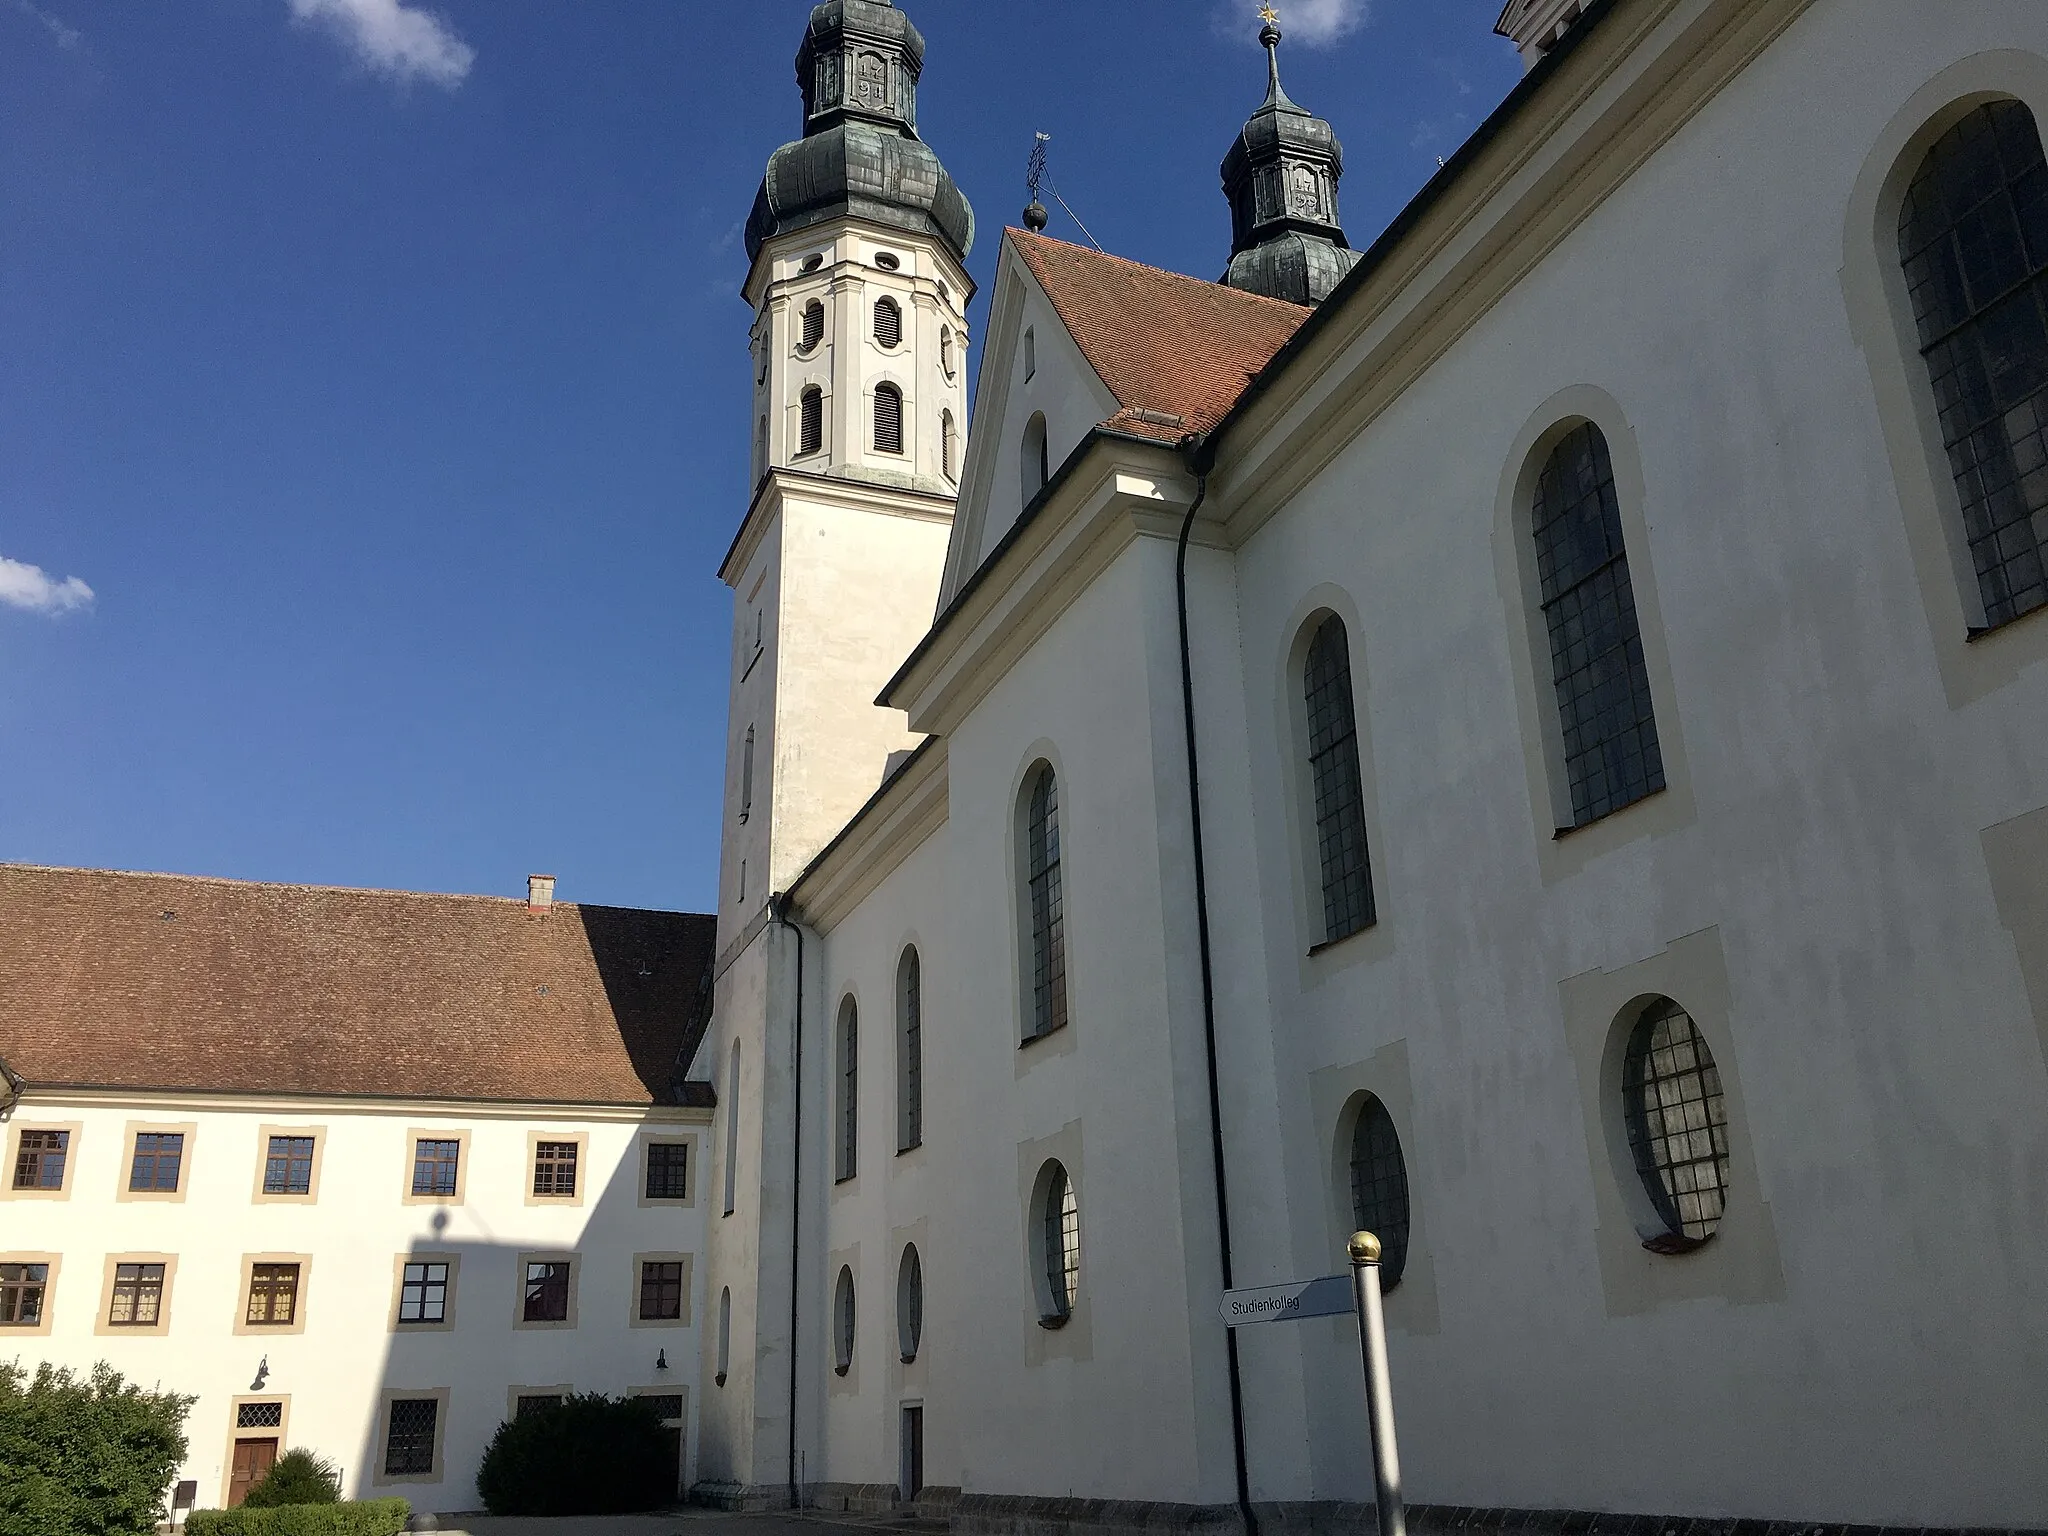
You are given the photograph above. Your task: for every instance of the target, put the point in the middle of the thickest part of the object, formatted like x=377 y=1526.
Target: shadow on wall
x=478 y=1319
x=638 y=954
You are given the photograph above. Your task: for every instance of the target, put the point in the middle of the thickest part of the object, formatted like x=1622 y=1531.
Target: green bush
x=296 y=1477
x=85 y=1456
x=373 y=1517
x=589 y=1455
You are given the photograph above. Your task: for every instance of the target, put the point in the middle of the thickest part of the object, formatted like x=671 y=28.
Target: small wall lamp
x=661 y=1360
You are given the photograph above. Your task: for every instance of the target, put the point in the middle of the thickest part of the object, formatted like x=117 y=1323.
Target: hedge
x=372 y=1517
x=296 y=1477
x=89 y=1456
x=588 y=1455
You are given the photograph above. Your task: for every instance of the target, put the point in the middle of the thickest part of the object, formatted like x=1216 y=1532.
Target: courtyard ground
x=686 y=1522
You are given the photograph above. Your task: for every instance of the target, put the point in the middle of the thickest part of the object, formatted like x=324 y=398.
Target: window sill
x=841 y=1370
x=719 y=1379
x=915 y=1146
x=1037 y=1039
x=1055 y=1321
x=1329 y=944
x=1675 y=1244
x=1564 y=832
x=1977 y=632
x=844 y=1178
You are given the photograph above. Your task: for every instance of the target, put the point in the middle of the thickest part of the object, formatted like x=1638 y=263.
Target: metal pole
x=1379 y=1386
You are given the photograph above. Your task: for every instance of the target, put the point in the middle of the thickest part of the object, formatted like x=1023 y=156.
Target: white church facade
x=1531 y=738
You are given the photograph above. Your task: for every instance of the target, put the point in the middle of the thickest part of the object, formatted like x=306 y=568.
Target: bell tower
x=857 y=247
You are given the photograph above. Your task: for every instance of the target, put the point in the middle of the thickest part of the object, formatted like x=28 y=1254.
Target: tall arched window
x=1341 y=848
x=843 y=1322
x=1974 y=239
x=1048 y=956
x=888 y=325
x=1034 y=463
x=910 y=1052
x=947 y=432
x=732 y=1127
x=1611 y=755
x=888 y=419
x=849 y=1090
x=813 y=326
x=946 y=350
x=811 y=427
x=760 y=447
x=1677 y=1121
x=724 y=1334
x=1379 y=1187
x=747 y=776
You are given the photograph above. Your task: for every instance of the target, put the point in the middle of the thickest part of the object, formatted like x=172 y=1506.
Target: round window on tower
x=888 y=261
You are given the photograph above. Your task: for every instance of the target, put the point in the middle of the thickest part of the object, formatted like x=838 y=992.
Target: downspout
x=778 y=908
x=1200 y=455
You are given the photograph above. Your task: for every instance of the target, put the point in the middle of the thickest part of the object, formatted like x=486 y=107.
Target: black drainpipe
x=1200 y=459
x=778 y=908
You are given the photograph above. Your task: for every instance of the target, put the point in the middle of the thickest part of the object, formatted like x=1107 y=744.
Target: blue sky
x=373 y=388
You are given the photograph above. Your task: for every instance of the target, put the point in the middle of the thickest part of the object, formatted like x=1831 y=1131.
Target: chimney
x=540 y=894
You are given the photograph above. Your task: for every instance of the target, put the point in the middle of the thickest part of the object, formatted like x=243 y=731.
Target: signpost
x=1330 y=1296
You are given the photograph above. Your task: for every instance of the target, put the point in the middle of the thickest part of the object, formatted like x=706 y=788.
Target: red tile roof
x=1167 y=345
x=173 y=982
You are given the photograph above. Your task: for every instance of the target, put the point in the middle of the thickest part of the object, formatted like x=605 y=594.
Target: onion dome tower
x=1281 y=178
x=860 y=155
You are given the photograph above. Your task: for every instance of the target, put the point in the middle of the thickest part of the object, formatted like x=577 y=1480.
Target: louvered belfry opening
x=811 y=433
x=814 y=326
x=888 y=419
x=888 y=325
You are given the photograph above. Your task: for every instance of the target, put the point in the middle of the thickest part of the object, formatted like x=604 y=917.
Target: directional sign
x=1288 y=1303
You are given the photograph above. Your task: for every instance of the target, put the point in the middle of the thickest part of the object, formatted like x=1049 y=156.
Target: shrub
x=87 y=1456
x=588 y=1455
x=296 y=1477
x=373 y=1517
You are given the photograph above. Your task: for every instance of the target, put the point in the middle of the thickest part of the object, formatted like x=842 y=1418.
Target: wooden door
x=253 y=1460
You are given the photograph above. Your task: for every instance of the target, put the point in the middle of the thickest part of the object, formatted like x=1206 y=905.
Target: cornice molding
x=1617 y=95
x=906 y=811
x=842 y=491
x=163 y=1101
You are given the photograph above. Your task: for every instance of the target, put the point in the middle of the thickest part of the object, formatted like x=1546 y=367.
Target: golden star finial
x=1268 y=15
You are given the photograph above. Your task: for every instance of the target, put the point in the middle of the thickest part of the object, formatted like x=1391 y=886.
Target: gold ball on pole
x=1365 y=1248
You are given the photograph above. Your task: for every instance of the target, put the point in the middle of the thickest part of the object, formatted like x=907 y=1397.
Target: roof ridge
x=1146 y=266
x=283 y=885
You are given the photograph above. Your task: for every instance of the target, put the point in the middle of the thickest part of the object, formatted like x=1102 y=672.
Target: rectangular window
x=668 y=1170
x=434 y=1166
x=159 y=1161
x=536 y=1402
x=288 y=1170
x=547 y=1291
x=409 y=1440
x=554 y=1168
x=39 y=1160
x=138 y=1299
x=260 y=1416
x=23 y=1288
x=423 y=1294
x=661 y=1291
x=273 y=1295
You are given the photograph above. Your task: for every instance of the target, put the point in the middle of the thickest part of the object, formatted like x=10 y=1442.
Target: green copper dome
x=860 y=155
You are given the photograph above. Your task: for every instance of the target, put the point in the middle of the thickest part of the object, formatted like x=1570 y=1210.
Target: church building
x=1528 y=735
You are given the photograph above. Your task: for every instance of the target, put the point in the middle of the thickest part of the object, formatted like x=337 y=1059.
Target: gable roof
x=1175 y=351
x=171 y=982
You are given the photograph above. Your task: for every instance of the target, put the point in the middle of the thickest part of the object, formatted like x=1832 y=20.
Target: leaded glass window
x=1048 y=919
x=910 y=1303
x=1341 y=846
x=1677 y=1119
x=1062 y=1244
x=843 y=1323
x=1611 y=754
x=910 y=1056
x=409 y=1438
x=1379 y=1188
x=849 y=1090
x=273 y=1295
x=1974 y=239
x=138 y=1296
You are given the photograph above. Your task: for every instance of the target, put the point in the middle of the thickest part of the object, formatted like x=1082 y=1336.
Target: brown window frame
x=13 y=1288
x=268 y=1283
x=134 y=1287
x=549 y=1161
x=661 y=1280
x=673 y=1158
x=446 y=1182
x=31 y=1163
x=289 y=1183
x=559 y=1282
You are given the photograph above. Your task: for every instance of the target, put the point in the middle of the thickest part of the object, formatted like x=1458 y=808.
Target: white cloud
x=394 y=38
x=28 y=588
x=65 y=37
x=1314 y=22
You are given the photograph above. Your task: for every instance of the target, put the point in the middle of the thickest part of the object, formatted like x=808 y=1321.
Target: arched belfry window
x=888 y=419
x=888 y=325
x=947 y=432
x=1034 y=458
x=813 y=327
x=910 y=1052
x=1611 y=755
x=1047 y=959
x=1341 y=848
x=846 y=1163
x=1974 y=239
x=811 y=426
x=747 y=775
x=1379 y=1187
